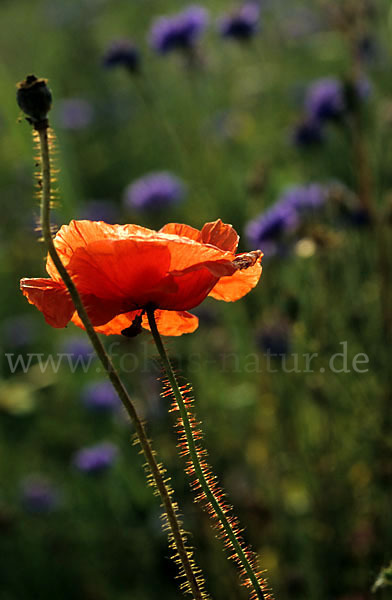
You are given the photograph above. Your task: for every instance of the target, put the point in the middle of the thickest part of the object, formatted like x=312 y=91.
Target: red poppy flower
x=119 y=270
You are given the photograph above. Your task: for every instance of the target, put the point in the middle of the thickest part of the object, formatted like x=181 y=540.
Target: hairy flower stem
x=177 y=537
x=227 y=525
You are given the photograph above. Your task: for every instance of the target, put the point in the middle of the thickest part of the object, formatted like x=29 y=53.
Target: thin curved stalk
x=183 y=554
x=205 y=482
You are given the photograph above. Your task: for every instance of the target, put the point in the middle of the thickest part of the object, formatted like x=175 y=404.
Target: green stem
x=194 y=456
x=157 y=471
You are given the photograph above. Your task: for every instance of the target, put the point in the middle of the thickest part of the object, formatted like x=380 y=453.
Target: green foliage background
x=305 y=457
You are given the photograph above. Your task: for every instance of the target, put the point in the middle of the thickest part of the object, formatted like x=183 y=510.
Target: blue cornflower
x=19 y=330
x=180 y=31
x=328 y=98
x=306 y=198
x=78 y=347
x=100 y=397
x=275 y=338
x=350 y=210
x=38 y=494
x=308 y=132
x=243 y=23
x=99 y=210
x=325 y=99
x=75 y=113
x=154 y=191
x=122 y=53
x=96 y=459
x=269 y=228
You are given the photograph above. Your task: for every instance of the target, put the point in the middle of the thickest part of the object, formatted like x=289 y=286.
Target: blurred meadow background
x=275 y=117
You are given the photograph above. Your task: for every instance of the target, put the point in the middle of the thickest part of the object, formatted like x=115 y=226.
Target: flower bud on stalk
x=35 y=100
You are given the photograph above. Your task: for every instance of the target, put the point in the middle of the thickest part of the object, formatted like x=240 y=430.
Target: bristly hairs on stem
x=203 y=481
x=167 y=527
x=35 y=99
x=54 y=193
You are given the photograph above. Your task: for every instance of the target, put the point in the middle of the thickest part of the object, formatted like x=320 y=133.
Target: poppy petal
x=173 y=323
x=121 y=269
x=113 y=326
x=81 y=233
x=238 y=285
x=128 y=269
x=51 y=298
x=216 y=233
x=182 y=230
x=101 y=310
x=192 y=288
x=188 y=255
x=221 y=235
x=174 y=274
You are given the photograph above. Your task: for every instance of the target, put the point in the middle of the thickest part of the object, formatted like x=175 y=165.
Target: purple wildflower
x=350 y=210
x=243 y=23
x=274 y=338
x=180 y=31
x=122 y=53
x=269 y=228
x=38 y=494
x=325 y=99
x=154 y=191
x=19 y=330
x=308 y=133
x=305 y=198
x=77 y=347
x=75 y=113
x=99 y=210
x=96 y=459
x=100 y=396
x=328 y=99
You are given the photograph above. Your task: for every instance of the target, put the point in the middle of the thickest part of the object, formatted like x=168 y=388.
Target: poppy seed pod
x=35 y=100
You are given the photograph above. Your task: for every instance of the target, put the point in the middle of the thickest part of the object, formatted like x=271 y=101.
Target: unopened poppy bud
x=35 y=100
